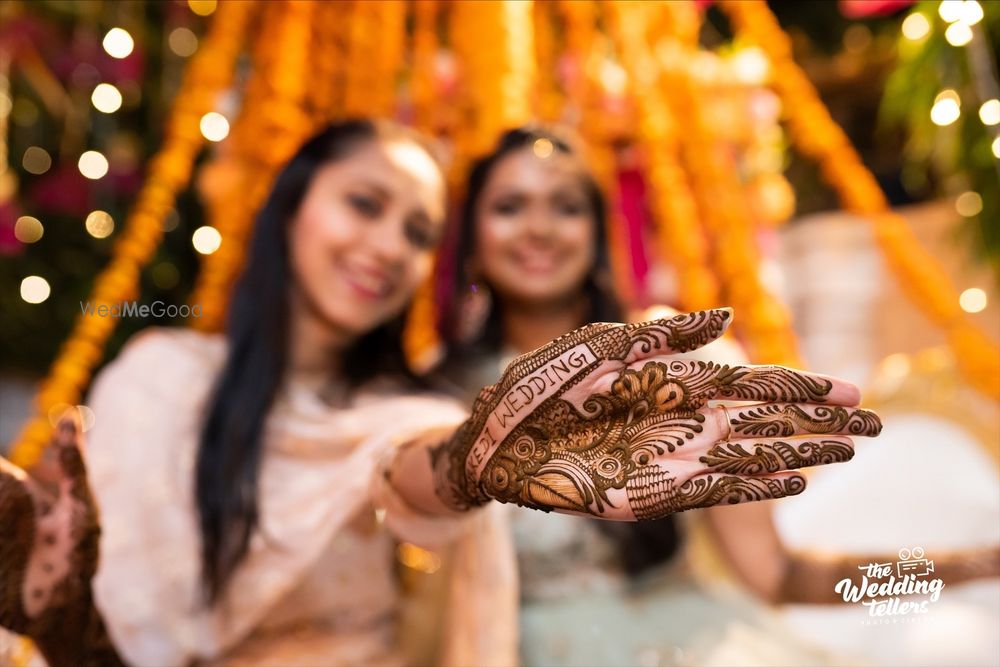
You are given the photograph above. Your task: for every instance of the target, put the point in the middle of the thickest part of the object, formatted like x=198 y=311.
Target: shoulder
x=163 y=358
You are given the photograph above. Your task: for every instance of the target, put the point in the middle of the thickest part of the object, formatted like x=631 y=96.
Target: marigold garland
x=209 y=72
x=818 y=136
x=377 y=43
x=282 y=55
x=424 y=56
x=680 y=234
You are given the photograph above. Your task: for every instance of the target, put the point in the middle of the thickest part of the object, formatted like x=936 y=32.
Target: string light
x=214 y=126
x=947 y=108
x=93 y=165
x=916 y=26
x=183 y=42
x=972 y=300
x=989 y=112
x=969 y=204
x=996 y=147
x=99 y=224
x=28 y=229
x=106 y=98
x=35 y=289
x=118 y=43
x=950 y=10
x=958 y=34
x=206 y=239
x=36 y=160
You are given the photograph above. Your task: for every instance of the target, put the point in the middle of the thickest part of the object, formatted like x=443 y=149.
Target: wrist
x=452 y=484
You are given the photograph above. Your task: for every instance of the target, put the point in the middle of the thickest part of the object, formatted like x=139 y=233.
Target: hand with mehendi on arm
x=605 y=421
x=748 y=539
x=48 y=555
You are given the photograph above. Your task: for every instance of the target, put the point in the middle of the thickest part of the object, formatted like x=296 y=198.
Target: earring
x=473 y=311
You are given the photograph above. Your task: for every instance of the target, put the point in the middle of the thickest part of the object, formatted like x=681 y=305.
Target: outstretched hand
x=49 y=537
x=606 y=421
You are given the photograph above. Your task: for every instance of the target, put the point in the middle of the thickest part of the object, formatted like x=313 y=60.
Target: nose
x=389 y=243
x=538 y=222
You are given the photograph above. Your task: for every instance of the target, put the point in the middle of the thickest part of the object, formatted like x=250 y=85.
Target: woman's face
x=535 y=229
x=363 y=237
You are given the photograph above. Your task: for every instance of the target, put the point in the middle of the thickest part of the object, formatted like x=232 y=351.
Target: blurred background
x=830 y=169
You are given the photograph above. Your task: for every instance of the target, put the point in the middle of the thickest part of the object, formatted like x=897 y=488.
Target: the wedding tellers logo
x=884 y=586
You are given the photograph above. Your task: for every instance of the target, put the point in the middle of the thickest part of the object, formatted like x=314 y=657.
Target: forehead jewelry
x=542 y=148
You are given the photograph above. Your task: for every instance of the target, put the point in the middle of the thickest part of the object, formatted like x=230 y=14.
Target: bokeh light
x=947 y=108
x=93 y=165
x=950 y=10
x=214 y=126
x=99 y=224
x=183 y=42
x=35 y=289
x=202 y=7
x=36 y=160
x=28 y=229
x=969 y=204
x=118 y=43
x=206 y=239
x=989 y=112
x=958 y=34
x=106 y=98
x=916 y=26
x=972 y=12
x=973 y=300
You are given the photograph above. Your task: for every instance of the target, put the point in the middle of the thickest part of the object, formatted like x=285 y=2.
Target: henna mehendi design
x=552 y=434
x=775 y=420
x=768 y=457
x=654 y=493
x=48 y=555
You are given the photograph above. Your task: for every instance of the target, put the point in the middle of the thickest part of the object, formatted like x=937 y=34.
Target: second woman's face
x=535 y=229
x=364 y=235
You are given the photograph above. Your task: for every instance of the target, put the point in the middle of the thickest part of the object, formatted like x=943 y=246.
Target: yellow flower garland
x=283 y=55
x=679 y=232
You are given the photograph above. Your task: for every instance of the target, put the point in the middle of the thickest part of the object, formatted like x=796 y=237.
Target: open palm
x=607 y=422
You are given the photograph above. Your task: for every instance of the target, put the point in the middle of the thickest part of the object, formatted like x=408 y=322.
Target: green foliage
x=947 y=161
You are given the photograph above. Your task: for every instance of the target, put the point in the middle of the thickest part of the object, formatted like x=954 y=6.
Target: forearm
x=413 y=475
x=812 y=578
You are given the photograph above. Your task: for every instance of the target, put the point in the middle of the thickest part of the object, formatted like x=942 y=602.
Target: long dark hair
x=640 y=545
x=231 y=445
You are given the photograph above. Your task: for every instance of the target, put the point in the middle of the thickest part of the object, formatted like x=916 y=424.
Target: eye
x=572 y=209
x=366 y=205
x=508 y=206
x=569 y=205
x=421 y=236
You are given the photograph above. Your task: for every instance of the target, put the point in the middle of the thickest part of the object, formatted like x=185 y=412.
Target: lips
x=535 y=261
x=368 y=283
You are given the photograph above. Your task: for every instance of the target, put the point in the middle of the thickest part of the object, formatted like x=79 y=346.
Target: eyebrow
x=380 y=190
